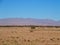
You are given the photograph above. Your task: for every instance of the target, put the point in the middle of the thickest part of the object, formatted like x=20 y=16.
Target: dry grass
x=29 y=36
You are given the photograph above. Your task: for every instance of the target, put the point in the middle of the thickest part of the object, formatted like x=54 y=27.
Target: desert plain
x=29 y=35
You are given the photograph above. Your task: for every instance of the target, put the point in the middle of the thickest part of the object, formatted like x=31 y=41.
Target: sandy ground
x=27 y=36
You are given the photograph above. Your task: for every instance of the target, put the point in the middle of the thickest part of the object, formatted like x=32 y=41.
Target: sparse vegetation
x=31 y=30
x=33 y=27
x=17 y=37
x=23 y=36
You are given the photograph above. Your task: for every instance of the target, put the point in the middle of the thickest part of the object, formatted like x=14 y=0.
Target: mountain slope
x=29 y=21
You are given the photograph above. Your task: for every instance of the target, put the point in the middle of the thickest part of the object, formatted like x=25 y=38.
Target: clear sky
x=41 y=9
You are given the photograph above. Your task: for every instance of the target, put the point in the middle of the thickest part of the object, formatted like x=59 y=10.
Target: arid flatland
x=29 y=36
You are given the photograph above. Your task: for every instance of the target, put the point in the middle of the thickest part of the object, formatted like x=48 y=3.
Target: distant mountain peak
x=29 y=21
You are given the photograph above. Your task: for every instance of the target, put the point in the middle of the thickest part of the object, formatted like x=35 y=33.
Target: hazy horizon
x=30 y=18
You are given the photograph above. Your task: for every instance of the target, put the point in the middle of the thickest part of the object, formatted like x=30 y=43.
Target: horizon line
x=30 y=18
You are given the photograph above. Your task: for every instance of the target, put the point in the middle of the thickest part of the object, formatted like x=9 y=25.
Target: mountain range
x=29 y=21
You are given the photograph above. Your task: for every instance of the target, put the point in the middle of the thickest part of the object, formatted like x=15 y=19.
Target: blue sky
x=41 y=9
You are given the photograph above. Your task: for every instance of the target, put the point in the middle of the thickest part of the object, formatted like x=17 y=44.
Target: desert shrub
x=12 y=37
x=24 y=40
x=43 y=41
x=57 y=27
x=32 y=27
x=4 y=44
x=0 y=39
x=36 y=39
x=31 y=30
x=17 y=37
x=28 y=40
x=3 y=41
x=52 y=39
x=58 y=39
x=15 y=42
x=12 y=32
x=7 y=40
x=15 y=32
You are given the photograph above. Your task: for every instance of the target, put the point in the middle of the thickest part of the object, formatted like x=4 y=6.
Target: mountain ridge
x=29 y=21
